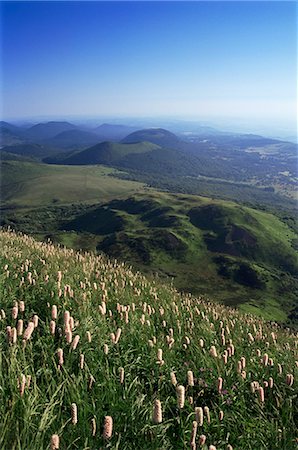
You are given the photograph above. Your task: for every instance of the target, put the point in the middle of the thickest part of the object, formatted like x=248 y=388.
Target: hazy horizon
x=228 y=63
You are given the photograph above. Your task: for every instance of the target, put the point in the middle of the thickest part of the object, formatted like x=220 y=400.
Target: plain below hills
x=29 y=184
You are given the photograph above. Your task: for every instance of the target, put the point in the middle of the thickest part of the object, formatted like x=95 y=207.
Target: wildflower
x=225 y=357
x=202 y=440
x=13 y=335
x=82 y=360
x=213 y=351
x=68 y=336
x=173 y=379
x=243 y=362
x=219 y=384
x=22 y=384
x=221 y=415
x=35 y=320
x=289 y=379
x=60 y=356
x=52 y=327
x=20 y=327
x=91 y=381
x=75 y=342
x=54 y=312
x=261 y=394
x=74 y=414
x=88 y=335
x=28 y=332
x=199 y=415
x=14 y=312
x=159 y=355
x=207 y=413
x=105 y=349
x=121 y=375
x=157 y=412
x=180 y=396
x=55 y=442
x=107 y=427
x=190 y=380
x=193 y=434
x=117 y=336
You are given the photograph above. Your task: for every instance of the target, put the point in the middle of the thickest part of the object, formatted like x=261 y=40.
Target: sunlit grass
x=121 y=339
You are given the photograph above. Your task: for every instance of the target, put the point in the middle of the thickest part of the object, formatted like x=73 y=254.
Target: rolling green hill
x=234 y=254
x=158 y=136
x=110 y=153
x=32 y=184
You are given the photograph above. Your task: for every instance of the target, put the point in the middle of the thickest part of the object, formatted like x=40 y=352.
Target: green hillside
x=96 y=356
x=158 y=136
x=32 y=184
x=104 y=153
x=230 y=253
x=233 y=254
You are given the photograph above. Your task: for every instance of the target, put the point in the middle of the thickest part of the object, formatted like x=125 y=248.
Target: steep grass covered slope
x=87 y=342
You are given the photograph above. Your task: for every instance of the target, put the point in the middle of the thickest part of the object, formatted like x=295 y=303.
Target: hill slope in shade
x=37 y=151
x=74 y=139
x=106 y=342
x=48 y=130
x=112 y=132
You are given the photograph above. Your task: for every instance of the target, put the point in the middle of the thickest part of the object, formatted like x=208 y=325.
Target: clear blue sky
x=184 y=59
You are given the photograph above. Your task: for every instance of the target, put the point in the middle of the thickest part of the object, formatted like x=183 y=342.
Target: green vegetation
x=32 y=184
x=230 y=253
x=84 y=338
x=109 y=153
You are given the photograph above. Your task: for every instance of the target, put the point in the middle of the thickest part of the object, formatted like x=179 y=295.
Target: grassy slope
x=32 y=184
x=147 y=240
x=153 y=313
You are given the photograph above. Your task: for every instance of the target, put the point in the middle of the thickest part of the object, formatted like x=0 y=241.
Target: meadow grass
x=32 y=184
x=106 y=347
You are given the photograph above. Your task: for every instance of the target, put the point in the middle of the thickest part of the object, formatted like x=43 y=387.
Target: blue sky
x=197 y=60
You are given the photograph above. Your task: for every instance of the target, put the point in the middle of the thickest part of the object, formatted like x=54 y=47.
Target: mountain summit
x=157 y=136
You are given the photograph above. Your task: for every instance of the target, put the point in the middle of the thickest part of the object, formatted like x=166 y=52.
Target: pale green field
x=32 y=184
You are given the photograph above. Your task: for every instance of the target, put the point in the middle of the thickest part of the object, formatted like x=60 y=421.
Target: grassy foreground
x=85 y=342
